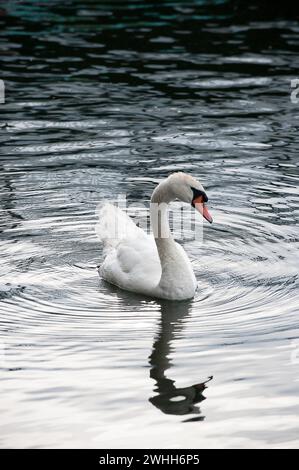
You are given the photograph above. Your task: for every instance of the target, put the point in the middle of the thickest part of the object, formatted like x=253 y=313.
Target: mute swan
x=152 y=265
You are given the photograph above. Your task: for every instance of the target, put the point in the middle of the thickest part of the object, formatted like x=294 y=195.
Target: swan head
x=188 y=189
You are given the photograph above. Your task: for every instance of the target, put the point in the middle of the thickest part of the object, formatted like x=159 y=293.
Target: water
x=107 y=98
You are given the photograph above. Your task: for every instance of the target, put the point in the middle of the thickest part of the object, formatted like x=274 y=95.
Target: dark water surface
x=107 y=98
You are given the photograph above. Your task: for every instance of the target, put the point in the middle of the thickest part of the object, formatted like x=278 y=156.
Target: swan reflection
x=169 y=398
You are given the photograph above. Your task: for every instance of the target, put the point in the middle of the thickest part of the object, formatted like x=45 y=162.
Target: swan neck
x=159 y=222
x=160 y=226
x=159 y=212
x=177 y=274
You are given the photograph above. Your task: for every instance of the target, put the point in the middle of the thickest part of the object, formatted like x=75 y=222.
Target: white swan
x=152 y=265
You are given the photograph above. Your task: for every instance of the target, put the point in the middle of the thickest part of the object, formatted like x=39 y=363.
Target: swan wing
x=132 y=260
x=115 y=225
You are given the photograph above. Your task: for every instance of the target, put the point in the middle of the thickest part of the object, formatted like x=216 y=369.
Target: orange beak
x=202 y=208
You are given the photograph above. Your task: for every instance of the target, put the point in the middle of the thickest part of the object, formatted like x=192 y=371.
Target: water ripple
x=108 y=98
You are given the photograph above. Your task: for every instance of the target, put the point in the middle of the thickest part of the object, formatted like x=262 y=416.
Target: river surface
x=108 y=98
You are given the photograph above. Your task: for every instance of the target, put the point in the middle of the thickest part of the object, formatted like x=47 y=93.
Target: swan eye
x=197 y=193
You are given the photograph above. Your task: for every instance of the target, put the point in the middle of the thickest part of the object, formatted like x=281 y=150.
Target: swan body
x=152 y=265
